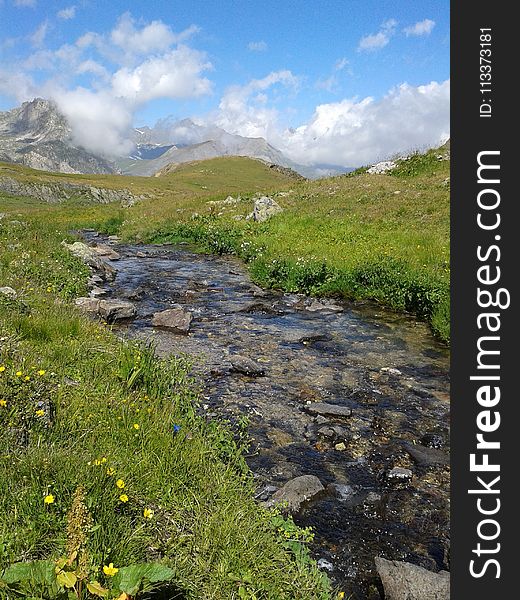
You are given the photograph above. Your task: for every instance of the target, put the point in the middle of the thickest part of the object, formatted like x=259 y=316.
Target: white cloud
x=173 y=75
x=23 y=3
x=38 y=37
x=260 y=46
x=237 y=115
x=355 y=132
x=420 y=28
x=329 y=84
x=154 y=37
x=376 y=41
x=67 y=13
x=341 y=64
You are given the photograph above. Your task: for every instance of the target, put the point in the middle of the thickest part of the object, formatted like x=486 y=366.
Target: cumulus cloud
x=260 y=46
x=240 y=111
x=173 y=75
x=356 y=132
x=420 y=28
x=67 y=14
x=376 y=41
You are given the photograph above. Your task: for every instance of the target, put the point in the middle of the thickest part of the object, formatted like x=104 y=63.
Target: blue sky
x=257 y=68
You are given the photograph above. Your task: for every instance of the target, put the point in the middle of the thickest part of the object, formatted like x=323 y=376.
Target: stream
x=385 y=468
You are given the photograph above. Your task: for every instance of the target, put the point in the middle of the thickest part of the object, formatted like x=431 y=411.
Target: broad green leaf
x=66 y=579
x=39 y=572
x=94 y=587
x=134 y=578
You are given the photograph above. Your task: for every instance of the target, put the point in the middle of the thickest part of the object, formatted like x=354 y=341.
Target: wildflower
x=97 y=462
x=19 y=373
x=123 y=498
x=148 y=513
x=41 y=372
x=110 y=471
x=104 y=460
x=3 y=402
x=176 y=428
x=26 y=378
x=2 y=368
x=136 y=425
x=110 y=571
x=49 y=499
x=340 y=595
x=120 y=484
x=40 y=413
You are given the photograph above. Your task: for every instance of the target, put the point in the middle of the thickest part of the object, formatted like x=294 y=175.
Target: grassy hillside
x=383 y=237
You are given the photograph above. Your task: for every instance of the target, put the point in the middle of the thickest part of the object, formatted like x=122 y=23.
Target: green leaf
x=94 y=587
x=66 y=579
x=136 y=578
x=39 y=572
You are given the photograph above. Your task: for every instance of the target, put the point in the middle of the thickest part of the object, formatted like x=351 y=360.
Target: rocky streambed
x=348 y=406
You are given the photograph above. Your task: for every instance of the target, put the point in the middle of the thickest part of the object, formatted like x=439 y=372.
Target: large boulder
x=177 y=320
x=297 y=491
x=264 y=208
x=110 y=310
x=91 y=258
x=404 y=581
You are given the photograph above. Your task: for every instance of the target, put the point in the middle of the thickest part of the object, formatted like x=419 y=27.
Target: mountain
x=37 y=135
x=177 y=142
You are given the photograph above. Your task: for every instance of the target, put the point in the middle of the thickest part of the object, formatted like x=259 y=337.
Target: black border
x=471 y=134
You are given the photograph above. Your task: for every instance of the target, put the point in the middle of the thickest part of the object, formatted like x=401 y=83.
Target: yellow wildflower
x=26 y=378
x=104 y=460
x=41 y=372
x=3 y=402
x=19 y=373
x=110 y=571
x=40 y=413
x=123 y=498
x=49 y=499
x=2 y=368
x=110 y=471
x=120 y=484
x=136 y=425
x=148 y=513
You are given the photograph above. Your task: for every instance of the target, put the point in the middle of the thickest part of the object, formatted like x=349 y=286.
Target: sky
x=344 y=82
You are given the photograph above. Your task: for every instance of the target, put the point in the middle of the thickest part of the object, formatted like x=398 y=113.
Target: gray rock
x=324 y=306
x=97 y=292
x=106 y=252
x=91 y=258
x=116 y=310
x=297 y=491
x=264 y=208
x=9 y=292
x=246 y=366
x=177 y=320
x=89 y=305
x=328 y=410
x=426 y=457
x=404 y=581
x=382 y=167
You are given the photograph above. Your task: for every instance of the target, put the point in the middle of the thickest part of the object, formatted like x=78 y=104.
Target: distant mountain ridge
x=186 y=141
x=37 y=135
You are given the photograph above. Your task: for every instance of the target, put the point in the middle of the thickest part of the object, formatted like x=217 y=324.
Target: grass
x=360 y=236
x=82 y=411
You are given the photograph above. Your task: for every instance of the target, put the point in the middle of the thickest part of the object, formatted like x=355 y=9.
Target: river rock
x=91 y=258
x=116 y=310
x=297 y=491
x=426 y=457
x=177 y=320
x=9 y=292
x=323 y=306
x=106 y=252
x=399 y=474
x=89 y=305
x=404 y=581
x=328 y=410
x=246 y=366
x=264 y=208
